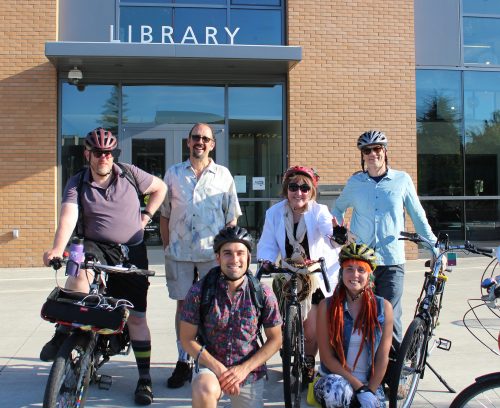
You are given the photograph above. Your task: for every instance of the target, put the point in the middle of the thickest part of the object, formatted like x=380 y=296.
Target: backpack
x=208 y=288
x=125 y=173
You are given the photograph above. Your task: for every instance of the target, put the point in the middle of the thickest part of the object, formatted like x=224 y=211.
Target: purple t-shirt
x=231 y=324
x=112 y=214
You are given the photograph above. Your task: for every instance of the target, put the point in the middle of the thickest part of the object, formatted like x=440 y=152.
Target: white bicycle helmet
x=372 y=137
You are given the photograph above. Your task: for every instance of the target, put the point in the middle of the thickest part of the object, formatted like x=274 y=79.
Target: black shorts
x=133 y=288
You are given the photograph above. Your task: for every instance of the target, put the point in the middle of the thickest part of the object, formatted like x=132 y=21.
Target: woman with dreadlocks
x=354 y=329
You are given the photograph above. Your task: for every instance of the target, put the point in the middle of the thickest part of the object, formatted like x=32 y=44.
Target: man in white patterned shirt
x=201 y=200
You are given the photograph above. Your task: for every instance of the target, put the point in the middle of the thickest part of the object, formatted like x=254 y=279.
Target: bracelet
x=146 y=212
x=362 y=389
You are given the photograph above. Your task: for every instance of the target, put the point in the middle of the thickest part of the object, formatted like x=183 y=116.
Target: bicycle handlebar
x=57 y=263
x=443 y=244
x=263 y=265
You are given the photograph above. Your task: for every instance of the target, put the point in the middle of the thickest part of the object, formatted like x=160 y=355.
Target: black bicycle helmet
x=360 y=252
x=372 y=137
x=101 y=139
x=233 y=234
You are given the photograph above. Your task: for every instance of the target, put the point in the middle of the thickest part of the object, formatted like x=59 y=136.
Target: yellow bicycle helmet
x=361 y=252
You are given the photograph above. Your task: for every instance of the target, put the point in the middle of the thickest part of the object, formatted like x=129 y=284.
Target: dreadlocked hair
x=366 y=323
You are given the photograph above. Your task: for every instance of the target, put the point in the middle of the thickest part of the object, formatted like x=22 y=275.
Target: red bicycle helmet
x=101 y=139
x=306 y=171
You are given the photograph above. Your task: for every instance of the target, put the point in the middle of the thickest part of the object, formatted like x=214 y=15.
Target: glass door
x=155 y=149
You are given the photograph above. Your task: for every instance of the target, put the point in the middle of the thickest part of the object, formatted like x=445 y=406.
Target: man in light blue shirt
x=379 y=197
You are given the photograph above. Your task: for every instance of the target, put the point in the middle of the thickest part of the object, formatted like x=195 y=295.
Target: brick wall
x=357 y=73
x=28 y=116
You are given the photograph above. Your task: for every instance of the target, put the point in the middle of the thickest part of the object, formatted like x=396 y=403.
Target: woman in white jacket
x=299 y=226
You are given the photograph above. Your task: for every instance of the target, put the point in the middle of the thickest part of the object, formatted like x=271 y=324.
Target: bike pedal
x=104 y=382
x=443 y=344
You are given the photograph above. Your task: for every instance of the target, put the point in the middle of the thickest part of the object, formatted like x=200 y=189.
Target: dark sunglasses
x=197 y=138
x=293 y=187
x=368 y=150
x=98 y=153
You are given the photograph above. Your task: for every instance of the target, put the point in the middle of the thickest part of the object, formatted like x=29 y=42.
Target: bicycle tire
x=484 y=393
x=407 y=369
x=70 y=374
x=292 y=356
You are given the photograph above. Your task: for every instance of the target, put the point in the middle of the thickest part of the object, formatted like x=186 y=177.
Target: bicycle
x=485 y=390
x=99 y=332
x=292 y=352
x=412 y=355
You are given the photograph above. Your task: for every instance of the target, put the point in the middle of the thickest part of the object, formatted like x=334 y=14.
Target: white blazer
x=318 y=224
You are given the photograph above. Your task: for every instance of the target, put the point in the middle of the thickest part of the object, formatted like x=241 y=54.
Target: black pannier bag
x=102 y=314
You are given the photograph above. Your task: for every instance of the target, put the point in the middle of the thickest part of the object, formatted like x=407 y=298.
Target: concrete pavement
x=23 y=375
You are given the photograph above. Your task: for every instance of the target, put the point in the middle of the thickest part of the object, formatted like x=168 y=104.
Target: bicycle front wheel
x=408 y=367
x=292 y=358
x=484 y=393
x=69 y=377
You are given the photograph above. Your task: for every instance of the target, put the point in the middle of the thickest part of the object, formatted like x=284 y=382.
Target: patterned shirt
x=231 y=325
x=197 y=209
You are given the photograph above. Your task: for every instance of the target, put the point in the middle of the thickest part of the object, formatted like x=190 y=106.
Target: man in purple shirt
x=231 y=360
x=105 y=205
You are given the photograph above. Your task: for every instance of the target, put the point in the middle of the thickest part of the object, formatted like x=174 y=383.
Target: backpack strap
x=208 y=288
x=79 y=232
x=126 y=173
x=257 y=295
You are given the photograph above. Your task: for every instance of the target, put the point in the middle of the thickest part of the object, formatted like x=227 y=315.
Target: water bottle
x=76 y=256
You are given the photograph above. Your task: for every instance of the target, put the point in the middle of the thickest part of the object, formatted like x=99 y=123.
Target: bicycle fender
x=489 y=377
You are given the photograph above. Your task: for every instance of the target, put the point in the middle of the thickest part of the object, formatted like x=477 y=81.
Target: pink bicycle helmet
x=306 y=171
x=101 y=139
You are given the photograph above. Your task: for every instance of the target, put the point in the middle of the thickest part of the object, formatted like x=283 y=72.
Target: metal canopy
x=98 y=58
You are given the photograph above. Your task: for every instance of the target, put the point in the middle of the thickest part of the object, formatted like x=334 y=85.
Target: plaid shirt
x=231 y=326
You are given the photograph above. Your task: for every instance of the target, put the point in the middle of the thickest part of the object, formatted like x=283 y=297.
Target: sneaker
x=144 y=392
x=181 y=374
x=402 y=392
x=49 y=351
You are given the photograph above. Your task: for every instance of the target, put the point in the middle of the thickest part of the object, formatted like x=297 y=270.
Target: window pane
x=482 y=132
x=257 y=2
x=201 y=2
x=146 y=1
x=198 y=20
x=482 y=220
x=257 y=26
x=447 y=217
x=481 y=7
x=481 y=41
x=81 y=111
x=157 y=104
x=154 y=17
x=439 y=114
x=256 y=139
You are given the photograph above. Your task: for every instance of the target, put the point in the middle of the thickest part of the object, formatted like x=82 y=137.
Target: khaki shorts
x=251 y=395
x=180 y=276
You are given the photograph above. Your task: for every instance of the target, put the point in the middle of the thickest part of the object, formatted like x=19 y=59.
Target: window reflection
x=439 y=114
x=199 y=20
x=158 y=104
x=257 y=2
x=84 y=110
x=482 y=132
x=481 y=7
x=256 y=138
x=447 y=217
x=257 y=26
x=155 y=17
x=481 y=41
x=482 y=220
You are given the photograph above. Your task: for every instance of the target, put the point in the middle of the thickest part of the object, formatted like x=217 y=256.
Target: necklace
x=356 y=297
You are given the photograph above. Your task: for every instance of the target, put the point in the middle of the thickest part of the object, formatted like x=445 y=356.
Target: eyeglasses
x=294 y=187
x=368 y=150
x=197 y=138
x=98 y=153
